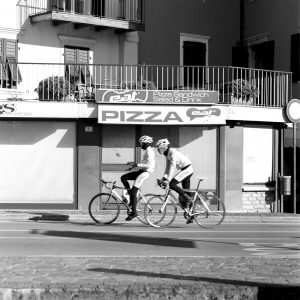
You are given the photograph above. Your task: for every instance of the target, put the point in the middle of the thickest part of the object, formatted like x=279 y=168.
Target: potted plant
x=243 y=91
x=138 y=85
x=55 y=88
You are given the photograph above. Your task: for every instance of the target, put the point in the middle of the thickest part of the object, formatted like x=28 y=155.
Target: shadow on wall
x=30 y=133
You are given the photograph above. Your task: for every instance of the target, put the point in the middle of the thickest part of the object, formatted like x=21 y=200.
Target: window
x=258 y=154
x=77 y=69
x=10 y=74
x=295 y=56
x=194 y=55
x=263 y=55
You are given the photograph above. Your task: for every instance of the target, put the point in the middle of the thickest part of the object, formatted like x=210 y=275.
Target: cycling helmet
x=146 y=139
x=162 y=145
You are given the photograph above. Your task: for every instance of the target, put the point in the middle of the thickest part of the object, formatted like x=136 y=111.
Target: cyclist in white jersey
x=176 y=160
x=146 y=167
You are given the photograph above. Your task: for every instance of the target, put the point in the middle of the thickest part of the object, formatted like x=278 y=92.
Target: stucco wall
x=165 y=20
x=279 y=19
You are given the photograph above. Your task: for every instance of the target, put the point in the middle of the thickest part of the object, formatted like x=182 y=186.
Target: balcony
x=123 y=15
x=73 y=82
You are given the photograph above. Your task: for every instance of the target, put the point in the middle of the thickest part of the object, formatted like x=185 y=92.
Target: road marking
x=273 y=249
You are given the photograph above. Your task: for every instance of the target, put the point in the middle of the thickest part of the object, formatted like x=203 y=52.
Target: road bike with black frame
x=105 y=208
x=207 y=210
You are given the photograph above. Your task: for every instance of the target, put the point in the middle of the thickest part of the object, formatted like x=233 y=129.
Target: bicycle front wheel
x=159 y=213
x=104 y=208
x=209 y=211
x=140 y=207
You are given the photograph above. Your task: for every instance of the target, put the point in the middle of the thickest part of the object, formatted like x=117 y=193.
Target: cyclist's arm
x=171 y=165
x=148 y=162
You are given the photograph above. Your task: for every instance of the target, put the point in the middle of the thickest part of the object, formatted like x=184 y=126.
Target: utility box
x=285 y=185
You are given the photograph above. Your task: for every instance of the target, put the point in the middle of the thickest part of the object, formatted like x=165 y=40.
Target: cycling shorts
x=140 y=179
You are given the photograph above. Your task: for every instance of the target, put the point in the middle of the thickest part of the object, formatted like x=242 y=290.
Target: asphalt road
x=79 y=239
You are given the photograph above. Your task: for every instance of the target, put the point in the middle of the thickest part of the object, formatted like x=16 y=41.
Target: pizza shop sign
x=177 y=97
x=162 y=115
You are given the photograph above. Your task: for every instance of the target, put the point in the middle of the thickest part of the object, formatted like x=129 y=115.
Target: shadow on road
x=125 y=238
x=266 y=291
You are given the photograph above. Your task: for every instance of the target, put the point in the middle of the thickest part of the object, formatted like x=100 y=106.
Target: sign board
x=191 y=97
x=46 y=109
x=293 y=110
x=160 y=115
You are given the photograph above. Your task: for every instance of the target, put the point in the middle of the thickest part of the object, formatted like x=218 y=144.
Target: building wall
x=47 y=41
x=283 y=20
x=165 y=20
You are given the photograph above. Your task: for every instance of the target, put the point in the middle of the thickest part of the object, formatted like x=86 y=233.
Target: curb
x=77 y=216
x=182 y=290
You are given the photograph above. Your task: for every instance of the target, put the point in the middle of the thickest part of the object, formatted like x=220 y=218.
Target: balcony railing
x=61 y=82
x=131 y=11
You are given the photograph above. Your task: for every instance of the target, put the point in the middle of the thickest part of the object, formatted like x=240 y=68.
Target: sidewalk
x=235 y=278
x=83 y=215
x=130 y=277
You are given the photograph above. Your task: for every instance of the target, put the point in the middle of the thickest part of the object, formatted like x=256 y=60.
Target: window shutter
x=11 y=48
x=83 y=60
x=295 y=56
x=3 y=72
x=72 y=73
x=2 y=48
x=11 y=58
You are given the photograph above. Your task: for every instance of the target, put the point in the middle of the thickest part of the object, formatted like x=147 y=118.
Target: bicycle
x=104 y=208
x=206 y=209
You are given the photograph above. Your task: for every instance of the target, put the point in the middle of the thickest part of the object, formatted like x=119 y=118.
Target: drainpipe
x=242 y=24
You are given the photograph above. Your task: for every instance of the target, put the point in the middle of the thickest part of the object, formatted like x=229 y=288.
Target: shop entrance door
x=118 y=148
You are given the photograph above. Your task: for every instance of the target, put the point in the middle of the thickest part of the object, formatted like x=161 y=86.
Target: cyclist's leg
x=184 y=177
x=143 y=175
x=129 y=176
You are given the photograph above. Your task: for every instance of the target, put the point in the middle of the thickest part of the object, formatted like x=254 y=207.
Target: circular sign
x=293 y=110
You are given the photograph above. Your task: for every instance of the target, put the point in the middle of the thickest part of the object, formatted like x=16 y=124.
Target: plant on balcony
x=243 y=92
x=139 y=85
x=55 y=88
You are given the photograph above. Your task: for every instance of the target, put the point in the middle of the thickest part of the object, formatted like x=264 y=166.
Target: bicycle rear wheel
x=209 y=211
x=104 y=208
x=158 y=213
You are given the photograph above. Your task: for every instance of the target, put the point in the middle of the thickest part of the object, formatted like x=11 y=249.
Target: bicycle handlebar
x=106 y=183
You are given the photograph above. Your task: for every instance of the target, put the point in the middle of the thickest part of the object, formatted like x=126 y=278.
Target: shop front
x=190 y=121
x=38 y=146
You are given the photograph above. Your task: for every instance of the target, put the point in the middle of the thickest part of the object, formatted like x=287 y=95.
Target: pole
x=294 y=168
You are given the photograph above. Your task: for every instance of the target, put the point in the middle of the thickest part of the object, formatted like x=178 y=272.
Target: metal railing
x=127 y=10
x=61 y=82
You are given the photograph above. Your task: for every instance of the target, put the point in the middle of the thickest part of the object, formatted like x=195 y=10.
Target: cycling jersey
x=175 y=159
x=148 y=161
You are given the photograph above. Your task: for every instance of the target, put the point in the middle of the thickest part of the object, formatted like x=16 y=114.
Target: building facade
x=256 y=149
x=81 y=81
